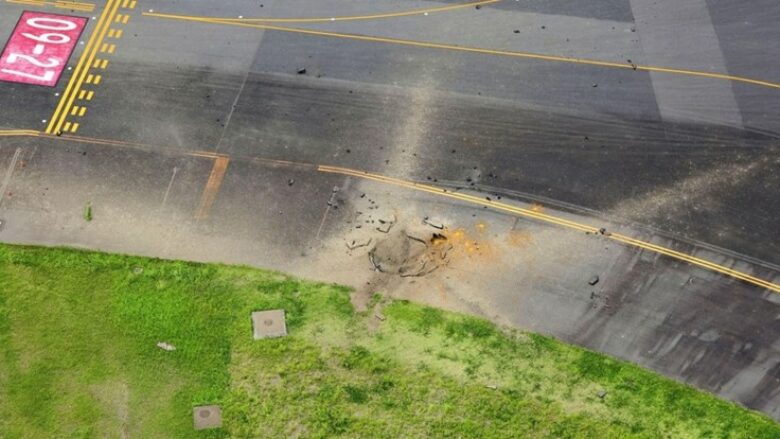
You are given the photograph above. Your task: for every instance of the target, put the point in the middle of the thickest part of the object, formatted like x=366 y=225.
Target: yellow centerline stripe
x=20 y=133
x=100 y=32
x=88 y=7
x=497 y=205
x=356 y=17
x=53 y=122
x=694 y=260
x=485 y=51
x=559 y=221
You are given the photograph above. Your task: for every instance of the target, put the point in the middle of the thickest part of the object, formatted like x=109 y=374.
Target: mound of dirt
x=407 y=255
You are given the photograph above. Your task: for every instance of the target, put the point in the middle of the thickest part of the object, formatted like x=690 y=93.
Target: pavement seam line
x=9 y=173
x=566 y=223
x=79 y=66
x=485 y=51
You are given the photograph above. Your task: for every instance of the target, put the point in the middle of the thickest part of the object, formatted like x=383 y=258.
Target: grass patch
x=78 y=358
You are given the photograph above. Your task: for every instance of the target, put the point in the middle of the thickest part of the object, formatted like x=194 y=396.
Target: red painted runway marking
x=39 y=48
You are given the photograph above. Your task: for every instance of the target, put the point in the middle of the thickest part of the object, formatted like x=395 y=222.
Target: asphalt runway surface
x=207 y=133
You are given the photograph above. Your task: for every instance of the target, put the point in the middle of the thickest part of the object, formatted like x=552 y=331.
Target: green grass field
x=78 y=358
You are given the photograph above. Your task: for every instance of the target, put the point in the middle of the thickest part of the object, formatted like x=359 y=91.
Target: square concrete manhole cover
x=268 y=324
x=207 y=416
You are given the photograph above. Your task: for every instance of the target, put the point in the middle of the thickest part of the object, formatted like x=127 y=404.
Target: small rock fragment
x=385 y=228
x=357 y=244
x=593 y=280
x=433 y=223
x=301 y=71
x=601 y=393
x=290 y=182
x=166 y=346
x=380 y=317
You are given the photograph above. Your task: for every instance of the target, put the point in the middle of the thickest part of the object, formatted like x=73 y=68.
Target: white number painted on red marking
x=35 y=22
x=53 y=62
x=37 y=51
x=48 y=76
x=47 y=38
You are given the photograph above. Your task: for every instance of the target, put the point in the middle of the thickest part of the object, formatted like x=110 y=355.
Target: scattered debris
x=290 y=182
x=601 y=393
x=414 y=238
x=602 y=231
x=387 y=220
x=371 y=259
x=438 y=238
x=492 y=386
x=2 y=223
x=301 y=71
x=434 y=224
x=593 y=280
x=385 y=228
x=358 y=244
x=138 y=270
x=88 y=211
x=166 y=346
x=380 y=317
x=207 y=417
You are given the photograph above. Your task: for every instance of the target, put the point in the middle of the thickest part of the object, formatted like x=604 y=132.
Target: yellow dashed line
x=97 y=79
x=74 y=110
x=90 y=78
x=104 y=64
x=118 y=18
x=96 y=63
x=66 y=127
x=82 y=93
x=124 y=3
x=119 y=33
x=81 y=69
x=132 y=4
x=89 y=95
x=82 y=111
x=125 y=19
x=74 y=128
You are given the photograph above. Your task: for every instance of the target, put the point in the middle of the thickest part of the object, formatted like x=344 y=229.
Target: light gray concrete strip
x=680 y=34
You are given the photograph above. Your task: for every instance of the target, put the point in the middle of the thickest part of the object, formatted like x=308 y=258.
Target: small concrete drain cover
x=207 y=416
x=268 y=324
